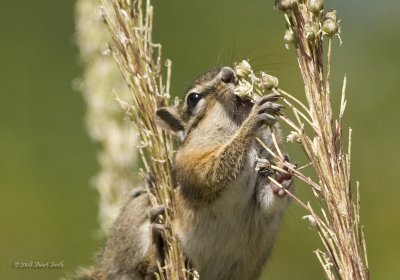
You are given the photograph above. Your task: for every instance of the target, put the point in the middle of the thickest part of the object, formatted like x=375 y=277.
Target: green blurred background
x=47 y=209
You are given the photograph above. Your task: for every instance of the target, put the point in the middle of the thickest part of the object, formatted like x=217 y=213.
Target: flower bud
x=310 y=31
x=315 y=5
x=243 y=69
x=244 y=90
x=285 y=4
x=330 y=26
x=268 y=82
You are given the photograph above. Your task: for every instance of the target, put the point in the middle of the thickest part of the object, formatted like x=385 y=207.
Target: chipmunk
x=227 y=212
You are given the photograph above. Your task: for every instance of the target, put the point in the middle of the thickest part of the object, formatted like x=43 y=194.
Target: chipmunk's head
x=209 y=102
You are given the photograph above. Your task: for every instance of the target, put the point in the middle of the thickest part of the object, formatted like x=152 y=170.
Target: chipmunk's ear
x=170 y=118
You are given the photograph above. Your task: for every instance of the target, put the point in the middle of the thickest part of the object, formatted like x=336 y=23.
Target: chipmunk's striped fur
x=228 y=214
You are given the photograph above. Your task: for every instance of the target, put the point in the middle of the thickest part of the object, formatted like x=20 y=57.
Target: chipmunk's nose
x=228 y=75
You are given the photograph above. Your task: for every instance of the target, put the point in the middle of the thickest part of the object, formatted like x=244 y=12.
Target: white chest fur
x=232 y=237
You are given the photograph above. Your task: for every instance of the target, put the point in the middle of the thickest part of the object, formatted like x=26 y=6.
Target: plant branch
x=139 y=59
x=345 y=255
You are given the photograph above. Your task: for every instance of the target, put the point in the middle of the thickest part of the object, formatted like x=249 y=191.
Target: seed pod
x=315 y=6
x=243 y=69
x=310 y=31
x=268 y=82
x=330 y=26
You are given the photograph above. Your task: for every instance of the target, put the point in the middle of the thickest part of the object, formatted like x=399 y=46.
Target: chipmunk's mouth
x=243 y=102
x=243 y=106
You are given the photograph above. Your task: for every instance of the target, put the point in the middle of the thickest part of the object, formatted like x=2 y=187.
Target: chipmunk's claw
x=155 y=212
x=157 y=228
x=137 y=192
x=272 y=97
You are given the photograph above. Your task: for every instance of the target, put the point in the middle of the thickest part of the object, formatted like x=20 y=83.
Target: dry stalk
x=139 y=59
x=117 y=155
x=338 y=222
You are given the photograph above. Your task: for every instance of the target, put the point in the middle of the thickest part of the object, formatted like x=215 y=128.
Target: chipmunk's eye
x=192 y=99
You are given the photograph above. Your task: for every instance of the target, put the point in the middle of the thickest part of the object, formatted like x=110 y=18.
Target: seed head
x=293 y=137
x=315 y=6
x=288 y=37
x=244 y=90
x=285 y=4
x=330 y=26
x=243 y=69
x=310 y=219
x=331 y=15
x=310 y=31
x=268 y=82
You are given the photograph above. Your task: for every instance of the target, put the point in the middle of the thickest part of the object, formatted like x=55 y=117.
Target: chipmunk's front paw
x=264 y=111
